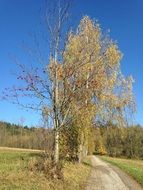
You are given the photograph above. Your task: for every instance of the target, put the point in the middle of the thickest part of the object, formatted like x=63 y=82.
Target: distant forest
x=110 y=140
x=12 y=135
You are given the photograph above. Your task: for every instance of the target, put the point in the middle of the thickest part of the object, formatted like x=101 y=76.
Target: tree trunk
x=80 y=153
x=56 y=147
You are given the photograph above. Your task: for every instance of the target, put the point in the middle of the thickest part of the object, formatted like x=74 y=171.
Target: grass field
x=15 y=174
x=131 y=166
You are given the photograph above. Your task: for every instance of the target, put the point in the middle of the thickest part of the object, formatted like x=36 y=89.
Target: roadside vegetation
x=15 y=173
x=131 y=166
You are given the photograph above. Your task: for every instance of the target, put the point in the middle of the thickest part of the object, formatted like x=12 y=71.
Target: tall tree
x=93 y=81
x=41 y=84
x=82 y=81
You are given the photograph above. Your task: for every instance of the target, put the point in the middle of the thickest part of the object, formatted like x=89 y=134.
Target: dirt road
x=107 y=177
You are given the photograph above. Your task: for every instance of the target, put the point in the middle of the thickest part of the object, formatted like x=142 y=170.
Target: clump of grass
x=87 y=161
x=132 y=167
x=47 y=167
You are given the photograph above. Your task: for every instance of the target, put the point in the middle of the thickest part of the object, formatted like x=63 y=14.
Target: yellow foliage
x=90 y=83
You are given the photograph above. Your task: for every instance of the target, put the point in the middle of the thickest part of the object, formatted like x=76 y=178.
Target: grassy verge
x=15 y=175
x=133 y=167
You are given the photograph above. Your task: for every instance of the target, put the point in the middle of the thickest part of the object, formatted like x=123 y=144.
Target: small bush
x=47 y=166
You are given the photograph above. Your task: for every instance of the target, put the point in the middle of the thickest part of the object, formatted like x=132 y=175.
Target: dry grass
x=15 y=175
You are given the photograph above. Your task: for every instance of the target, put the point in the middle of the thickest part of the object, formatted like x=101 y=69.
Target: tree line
x=103 y=140
x=117 y=142
x=17 y=136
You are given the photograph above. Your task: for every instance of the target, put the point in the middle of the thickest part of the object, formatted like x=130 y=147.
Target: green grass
x=131 y=166
x=15 y=174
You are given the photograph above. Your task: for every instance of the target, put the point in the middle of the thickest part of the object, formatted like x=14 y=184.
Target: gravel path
x=107 y=177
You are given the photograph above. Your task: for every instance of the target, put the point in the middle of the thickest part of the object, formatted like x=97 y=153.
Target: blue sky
x=20 y=17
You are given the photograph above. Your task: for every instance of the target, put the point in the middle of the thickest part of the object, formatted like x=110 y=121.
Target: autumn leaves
x=91 y=87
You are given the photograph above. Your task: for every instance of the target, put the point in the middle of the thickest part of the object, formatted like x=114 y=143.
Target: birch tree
x=82 y=81
x=94 y=84
x=39 y=86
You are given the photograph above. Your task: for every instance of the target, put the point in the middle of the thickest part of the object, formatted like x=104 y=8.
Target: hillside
x=12 y=135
